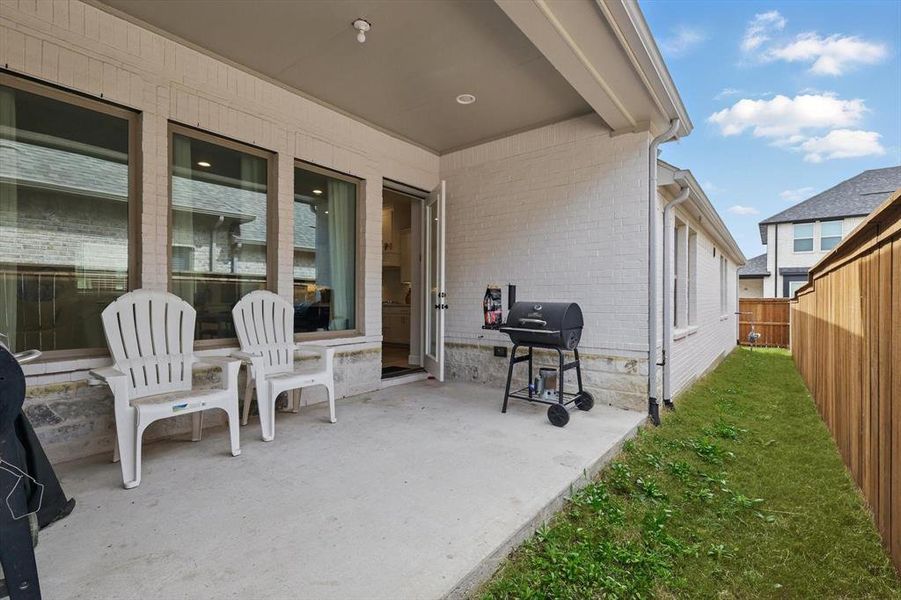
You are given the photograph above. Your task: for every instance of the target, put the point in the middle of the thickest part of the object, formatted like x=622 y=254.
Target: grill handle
x=537 y=322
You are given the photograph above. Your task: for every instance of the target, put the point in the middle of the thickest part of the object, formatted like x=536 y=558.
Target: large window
x=66 y=192
x=803 y=237
x=219 y=210
x=325 y=248
x=830 y=234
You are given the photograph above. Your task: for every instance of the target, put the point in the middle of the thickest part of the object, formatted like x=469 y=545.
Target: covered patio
x=418 y=491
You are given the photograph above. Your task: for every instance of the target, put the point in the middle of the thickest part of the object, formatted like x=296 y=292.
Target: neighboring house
x=180 y=156
x=798 y=237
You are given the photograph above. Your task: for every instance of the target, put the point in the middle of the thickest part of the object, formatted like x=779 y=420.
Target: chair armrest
x=104 y=376
x=216 y=361
x=229 y=366
x=247 y=357
x=323 y=351
x=326 y=353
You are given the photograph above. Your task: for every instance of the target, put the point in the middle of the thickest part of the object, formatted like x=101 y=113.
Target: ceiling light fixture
x=317 y=192
x=466 y=99
x=362 y=26
x=203 y=163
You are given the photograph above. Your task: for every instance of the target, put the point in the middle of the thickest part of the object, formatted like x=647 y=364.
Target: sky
x=787 y=98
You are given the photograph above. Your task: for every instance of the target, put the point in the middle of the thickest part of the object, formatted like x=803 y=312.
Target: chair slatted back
x=265 y=323
x=150 y=335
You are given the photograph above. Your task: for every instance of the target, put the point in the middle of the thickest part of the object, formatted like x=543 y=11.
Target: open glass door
x=434 y=294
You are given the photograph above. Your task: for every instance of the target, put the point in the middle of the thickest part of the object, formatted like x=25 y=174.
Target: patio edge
x=489 y=565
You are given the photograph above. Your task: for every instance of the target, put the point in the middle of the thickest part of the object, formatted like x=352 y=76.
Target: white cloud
x=842 y=143
x=738 y=209
x=726 y=92
x=794 y=123
x=684 y=38
x=831 y=55
x=797 y=194
x=711 y=187
x=761 y=28
x=784 y=119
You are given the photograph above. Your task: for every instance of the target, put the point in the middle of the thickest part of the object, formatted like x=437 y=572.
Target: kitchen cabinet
x=396 y=323
x=390 y=239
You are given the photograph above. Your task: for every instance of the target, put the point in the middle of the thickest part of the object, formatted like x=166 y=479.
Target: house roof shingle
x=853 y=197
x=755 y=267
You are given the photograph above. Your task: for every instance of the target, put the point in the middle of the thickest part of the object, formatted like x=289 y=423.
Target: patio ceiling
x=417 y=59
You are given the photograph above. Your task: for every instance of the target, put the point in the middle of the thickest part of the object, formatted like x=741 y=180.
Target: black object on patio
x=30 y=492
x=553 y=326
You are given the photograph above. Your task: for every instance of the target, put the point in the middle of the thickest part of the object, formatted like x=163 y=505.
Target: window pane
x=828 y=243
x=63 y=220
x=325 y=248
x=804 y=230
x=219 y=198
x=831 y=229
x=804 y=245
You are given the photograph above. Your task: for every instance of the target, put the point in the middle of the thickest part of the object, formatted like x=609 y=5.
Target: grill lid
x=544 y=317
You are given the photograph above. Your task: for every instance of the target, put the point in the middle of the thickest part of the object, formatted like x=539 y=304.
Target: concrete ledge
x=491 y=563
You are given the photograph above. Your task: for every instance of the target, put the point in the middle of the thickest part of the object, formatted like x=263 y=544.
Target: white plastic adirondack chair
x=265 y=325
x=151 y=339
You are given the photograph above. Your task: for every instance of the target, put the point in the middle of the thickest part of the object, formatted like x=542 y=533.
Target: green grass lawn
x=739 y=494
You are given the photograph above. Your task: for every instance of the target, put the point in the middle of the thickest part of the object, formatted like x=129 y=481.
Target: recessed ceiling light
x=203 y=163
x=466 y=99
x=317 y=192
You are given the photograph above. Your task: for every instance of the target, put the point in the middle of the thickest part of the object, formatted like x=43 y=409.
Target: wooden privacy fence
x=769 y=316
x=846 y=342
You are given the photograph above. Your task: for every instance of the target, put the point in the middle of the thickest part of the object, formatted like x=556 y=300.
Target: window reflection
x=64 y=195
x=325 y=217
x=219 y=203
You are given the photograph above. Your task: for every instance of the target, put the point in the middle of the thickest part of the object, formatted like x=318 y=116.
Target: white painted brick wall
x=714 y=334
x=559 y=211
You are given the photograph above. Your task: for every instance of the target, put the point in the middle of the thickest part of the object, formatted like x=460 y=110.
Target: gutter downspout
x=668 y=286
x=653 y=403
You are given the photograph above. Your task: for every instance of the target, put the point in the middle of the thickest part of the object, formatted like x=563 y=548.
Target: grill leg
x=529 y=382
x=578 y=369
x=560 y=398
x=510 y=375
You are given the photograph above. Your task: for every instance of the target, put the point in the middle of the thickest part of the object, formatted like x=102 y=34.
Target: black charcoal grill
x=553 y=326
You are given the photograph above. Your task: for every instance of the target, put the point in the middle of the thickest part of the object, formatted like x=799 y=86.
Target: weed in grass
x=708 y=450
x=619 y=477
x=652 y=459
x=650 y=489
x=724 y=430
x=680 y=469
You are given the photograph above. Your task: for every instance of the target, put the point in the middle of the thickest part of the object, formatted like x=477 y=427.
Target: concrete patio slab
x=417 y=492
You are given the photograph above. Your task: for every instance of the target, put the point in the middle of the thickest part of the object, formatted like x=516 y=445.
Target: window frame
x=359 y=255
x=795 y=238
x=840 y=236
x=271 y=158
x=135 y=163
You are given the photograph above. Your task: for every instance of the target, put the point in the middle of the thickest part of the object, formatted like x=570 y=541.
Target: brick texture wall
x=560 y=211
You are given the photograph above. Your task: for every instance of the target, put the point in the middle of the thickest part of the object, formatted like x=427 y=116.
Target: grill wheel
x=585 y=401
x=557 y=415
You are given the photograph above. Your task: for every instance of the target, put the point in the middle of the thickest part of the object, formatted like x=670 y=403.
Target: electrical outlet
x=500 y=351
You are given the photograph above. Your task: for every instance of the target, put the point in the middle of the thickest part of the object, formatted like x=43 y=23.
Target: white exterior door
x=434 y=294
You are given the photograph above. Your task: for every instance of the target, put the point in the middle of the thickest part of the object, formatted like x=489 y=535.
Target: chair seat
x=174 y=398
